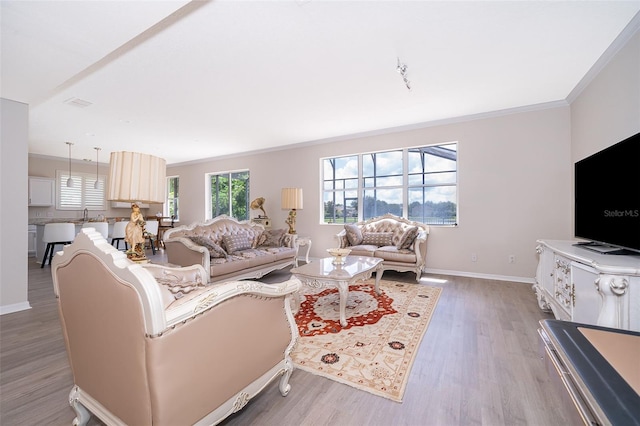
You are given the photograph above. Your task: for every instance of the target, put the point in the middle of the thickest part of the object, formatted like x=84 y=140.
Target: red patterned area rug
x=376 y=350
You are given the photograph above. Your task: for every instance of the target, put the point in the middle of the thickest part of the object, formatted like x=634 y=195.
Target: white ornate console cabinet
x=583 y=286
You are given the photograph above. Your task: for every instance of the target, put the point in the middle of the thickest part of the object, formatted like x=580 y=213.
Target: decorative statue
x=134 y=234
x=258 y=203
x=291 y=221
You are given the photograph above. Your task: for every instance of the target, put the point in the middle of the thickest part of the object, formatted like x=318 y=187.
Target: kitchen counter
x=75 y=220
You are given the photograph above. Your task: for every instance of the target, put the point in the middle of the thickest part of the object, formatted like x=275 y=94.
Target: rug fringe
x=350 y=384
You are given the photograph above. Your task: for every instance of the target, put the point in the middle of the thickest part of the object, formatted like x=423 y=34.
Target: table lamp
x=136 y=178
x=291 y=200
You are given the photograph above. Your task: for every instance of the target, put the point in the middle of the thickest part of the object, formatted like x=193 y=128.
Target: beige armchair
x=149 y=344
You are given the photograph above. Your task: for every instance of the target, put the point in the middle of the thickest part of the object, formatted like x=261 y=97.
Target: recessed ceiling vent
x=77 y=102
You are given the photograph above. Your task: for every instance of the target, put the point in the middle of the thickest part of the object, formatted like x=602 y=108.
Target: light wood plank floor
x=479 y=364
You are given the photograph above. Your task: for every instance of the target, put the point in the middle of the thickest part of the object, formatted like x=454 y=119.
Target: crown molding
x=618 y=43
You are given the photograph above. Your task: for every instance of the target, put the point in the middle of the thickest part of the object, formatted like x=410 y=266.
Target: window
x=171 y=206
x=432 y=184
x=417 y=183
x=82 y=194
x=229 y=194
x=340 y=189
x=383 y=184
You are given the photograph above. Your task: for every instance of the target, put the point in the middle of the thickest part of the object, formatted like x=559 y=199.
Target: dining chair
x=54 y=234
x=164 y=224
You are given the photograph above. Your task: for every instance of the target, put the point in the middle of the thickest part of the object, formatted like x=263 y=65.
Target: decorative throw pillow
x=354 y=234
x=214 y=249
x=261 y=239
x=236 y=242
x=407 y=238
x=377 y=238
x=273 y=237
x=257 y=239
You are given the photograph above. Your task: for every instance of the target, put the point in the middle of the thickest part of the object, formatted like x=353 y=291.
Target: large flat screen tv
x=607 y=198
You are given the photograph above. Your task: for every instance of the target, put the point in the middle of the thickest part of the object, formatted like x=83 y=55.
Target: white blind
x=94 y=198
x=82 y=194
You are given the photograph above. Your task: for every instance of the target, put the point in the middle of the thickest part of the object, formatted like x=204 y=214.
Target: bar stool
x=101 y=227
x=118 y=234
x=56 y=233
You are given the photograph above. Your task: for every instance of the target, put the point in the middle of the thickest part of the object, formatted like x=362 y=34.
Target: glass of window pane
x=240 y=195
x=433 y=205
x=340 y=206
x=219 y=195
x=382 y=169
x=381 y=201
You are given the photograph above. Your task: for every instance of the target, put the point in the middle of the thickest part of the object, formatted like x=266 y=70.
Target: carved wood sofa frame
x=181 y=250
x=140 y=354
x=412 y=259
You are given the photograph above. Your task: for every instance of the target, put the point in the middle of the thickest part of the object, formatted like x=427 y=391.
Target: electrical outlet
x=38 y=214
x=474 y=257
x=512 y=258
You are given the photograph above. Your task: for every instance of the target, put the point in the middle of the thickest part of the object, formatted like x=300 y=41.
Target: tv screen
x=607 y=198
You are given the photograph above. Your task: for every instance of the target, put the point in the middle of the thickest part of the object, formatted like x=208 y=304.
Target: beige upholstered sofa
x=229 y=249
x=400 y=242
x=153 y=345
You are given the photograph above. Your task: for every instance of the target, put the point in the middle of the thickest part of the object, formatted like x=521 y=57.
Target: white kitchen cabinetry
x=31 y=243
x=41 y=191
x=587 y=287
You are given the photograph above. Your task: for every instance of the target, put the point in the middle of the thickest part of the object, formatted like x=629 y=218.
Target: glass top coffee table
x=324 y=273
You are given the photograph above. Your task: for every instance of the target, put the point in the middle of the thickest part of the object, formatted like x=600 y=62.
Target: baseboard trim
x=524 y=280
x=16 y=307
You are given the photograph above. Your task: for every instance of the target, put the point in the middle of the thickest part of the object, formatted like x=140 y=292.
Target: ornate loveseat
x=149 y=344
x=401 y=243
x=229 y=249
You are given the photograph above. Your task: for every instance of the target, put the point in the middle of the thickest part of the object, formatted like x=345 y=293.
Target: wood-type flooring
x=479 y=364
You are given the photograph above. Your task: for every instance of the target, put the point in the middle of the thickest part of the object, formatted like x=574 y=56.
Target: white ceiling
x=193 y=80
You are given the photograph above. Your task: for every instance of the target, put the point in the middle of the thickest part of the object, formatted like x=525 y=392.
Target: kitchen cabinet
x=41 y=191
x=31 y=244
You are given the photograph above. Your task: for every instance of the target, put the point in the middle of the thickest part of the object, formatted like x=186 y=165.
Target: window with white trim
x=82 y=194
x=228 y=194
x=171 y=204
x=416 y=183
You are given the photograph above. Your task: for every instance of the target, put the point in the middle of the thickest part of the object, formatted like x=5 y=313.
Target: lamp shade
x=291 y=198
x=136 y=177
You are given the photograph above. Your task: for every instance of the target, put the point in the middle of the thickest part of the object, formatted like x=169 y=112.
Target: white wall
x=14 y=119
x=608 y=109
x=513 y=181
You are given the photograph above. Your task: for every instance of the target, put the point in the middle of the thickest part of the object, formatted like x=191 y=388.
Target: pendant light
x=69 y=181
x=97 y=184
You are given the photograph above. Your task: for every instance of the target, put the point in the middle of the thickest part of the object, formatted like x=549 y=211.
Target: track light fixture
x=402 y=70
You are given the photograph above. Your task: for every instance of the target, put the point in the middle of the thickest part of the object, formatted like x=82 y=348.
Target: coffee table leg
x=379 y=273
x=343 y=289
